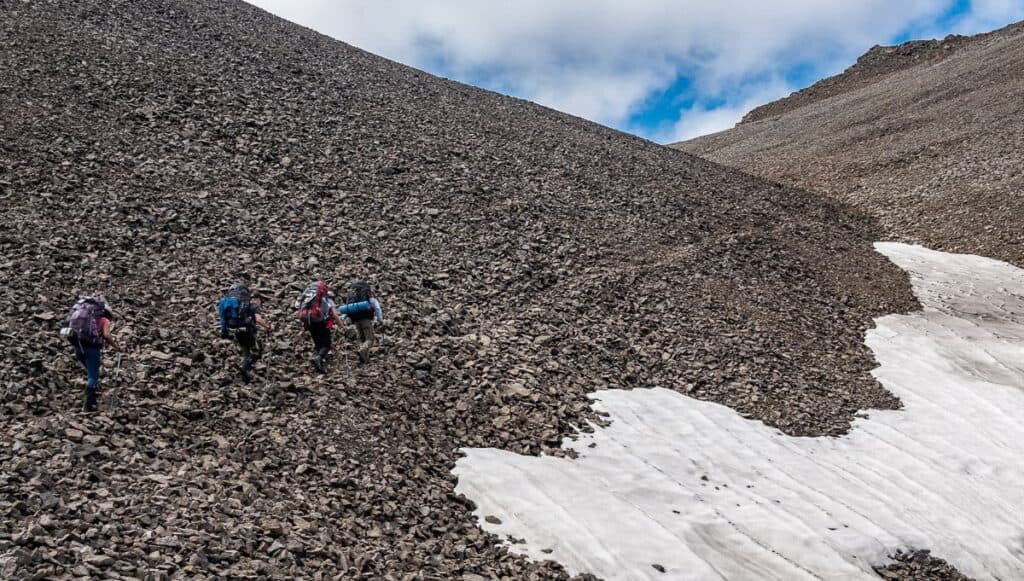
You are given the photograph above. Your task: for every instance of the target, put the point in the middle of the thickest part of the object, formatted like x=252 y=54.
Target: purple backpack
x=84 y=322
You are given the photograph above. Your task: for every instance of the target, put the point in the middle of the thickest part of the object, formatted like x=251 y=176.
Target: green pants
x=365 y=337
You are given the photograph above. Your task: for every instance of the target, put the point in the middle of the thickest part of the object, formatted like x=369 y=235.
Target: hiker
x=239 y=313
x=363 y=309
x=318 y=313
x=88 y=330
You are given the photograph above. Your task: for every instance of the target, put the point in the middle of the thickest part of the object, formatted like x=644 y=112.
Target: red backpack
x=310 y=304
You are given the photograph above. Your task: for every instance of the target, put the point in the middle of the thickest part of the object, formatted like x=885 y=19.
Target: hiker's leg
x=359 y=340
x=369 y=335
x=322 y=340
x=91 y=358
x=250 y=353
x=364 y=331
x=250 y=349
x=257 y=347
x=322 y=343
x=314 y=334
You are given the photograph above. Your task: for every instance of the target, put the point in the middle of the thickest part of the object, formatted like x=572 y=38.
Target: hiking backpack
x=235 y=309
x=357 y=301
x=310 y=304
x=359 y=292
x=84 y=322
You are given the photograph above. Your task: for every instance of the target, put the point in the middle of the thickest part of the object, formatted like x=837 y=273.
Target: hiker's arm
x=336 y=316
x=266 y=326
x=109 y=338
x=377 y=311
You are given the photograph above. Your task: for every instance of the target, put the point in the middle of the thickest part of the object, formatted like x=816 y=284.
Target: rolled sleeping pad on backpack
x=355 y=308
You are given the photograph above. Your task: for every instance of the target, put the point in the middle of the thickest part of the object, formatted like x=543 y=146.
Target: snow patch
x=692 y=487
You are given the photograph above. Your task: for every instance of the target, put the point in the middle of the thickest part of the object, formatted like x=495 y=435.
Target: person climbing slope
x=363 y=308
x=239 y=314
x=88 y=330
x=315 y=310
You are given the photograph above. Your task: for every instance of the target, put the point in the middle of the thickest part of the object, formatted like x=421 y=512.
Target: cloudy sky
x=664 y=69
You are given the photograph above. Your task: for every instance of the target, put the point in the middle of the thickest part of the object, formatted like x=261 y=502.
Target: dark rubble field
x=155 y=151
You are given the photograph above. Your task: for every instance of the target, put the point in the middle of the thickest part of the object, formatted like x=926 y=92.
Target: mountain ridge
x=879 y=61
x=932 y=150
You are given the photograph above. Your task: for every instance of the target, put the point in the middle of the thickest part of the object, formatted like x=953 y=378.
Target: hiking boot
x=89 y=406
x=318 y=364
x=243 y=371
x=364 y=356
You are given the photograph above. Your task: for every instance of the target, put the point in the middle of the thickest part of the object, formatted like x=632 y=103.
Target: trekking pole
x=115 y=399
x=266 y=362
x=344 y=349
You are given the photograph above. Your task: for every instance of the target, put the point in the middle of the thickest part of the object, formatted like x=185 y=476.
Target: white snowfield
x=694 y=489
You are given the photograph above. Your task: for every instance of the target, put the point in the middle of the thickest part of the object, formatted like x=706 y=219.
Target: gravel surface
x=927 y=137
x=154 y=151
x=919 y=566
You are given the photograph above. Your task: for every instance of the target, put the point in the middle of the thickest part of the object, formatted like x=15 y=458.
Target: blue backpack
x=235 y=309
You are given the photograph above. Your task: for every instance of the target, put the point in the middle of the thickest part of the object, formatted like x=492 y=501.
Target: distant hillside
x=927 y=136
x=869 y=68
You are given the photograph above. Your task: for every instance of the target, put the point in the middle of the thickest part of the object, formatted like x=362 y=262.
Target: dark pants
x=249 y=346
x=321 y=339
x=90 y=358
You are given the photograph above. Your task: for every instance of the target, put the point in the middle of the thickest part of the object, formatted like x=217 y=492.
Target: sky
x=666 y=70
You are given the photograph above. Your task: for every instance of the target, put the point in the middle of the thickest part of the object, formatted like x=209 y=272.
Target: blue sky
x=663 y=69
x=662 y=107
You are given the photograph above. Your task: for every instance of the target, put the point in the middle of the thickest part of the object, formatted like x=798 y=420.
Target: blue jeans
x=90 y=358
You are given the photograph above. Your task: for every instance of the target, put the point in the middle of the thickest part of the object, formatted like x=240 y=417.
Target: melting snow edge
x=677 y=488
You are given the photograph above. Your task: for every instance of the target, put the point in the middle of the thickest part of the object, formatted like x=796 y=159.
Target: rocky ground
x=155 y=151
x=919 y=566
x=927 y=136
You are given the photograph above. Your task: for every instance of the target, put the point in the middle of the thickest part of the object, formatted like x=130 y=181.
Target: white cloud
x=986 y=15
x=585 y=93
x=699 y=120
x=603 y=59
